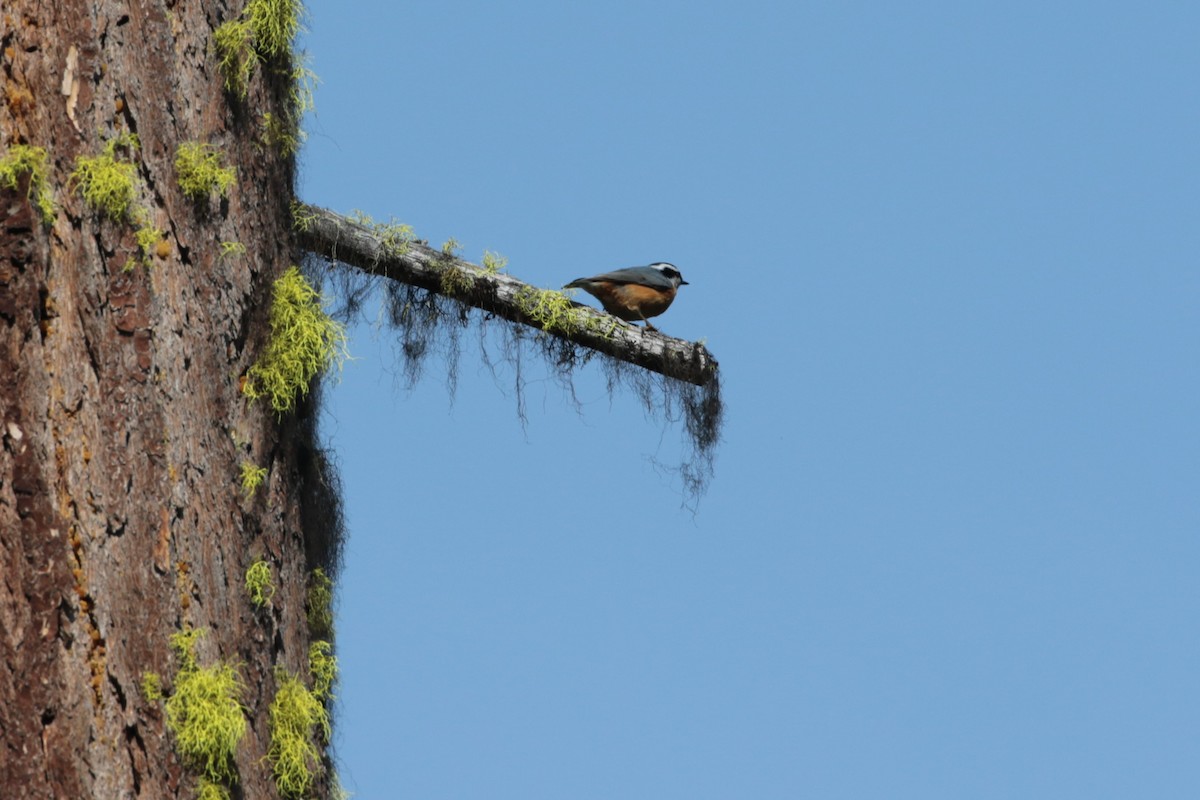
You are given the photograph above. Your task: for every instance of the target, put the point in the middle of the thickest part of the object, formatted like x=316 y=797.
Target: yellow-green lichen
x=152 y=686
x=231 y=249
x=275 y=24
x=455 y=280
x=148 y=238
x=319 y=604
x=282 y=133
x=323 y=667
x=211 y=791
x=107 y=182
x=304 y=342
x=251 y=478
x=493 y=263
x=200 y=172
x=233 y=44
x=296 y=719
x=204 y=711
x=395 y=238
x=302 y=218
x=22 y=159
x=554 y=311
x=259 y=585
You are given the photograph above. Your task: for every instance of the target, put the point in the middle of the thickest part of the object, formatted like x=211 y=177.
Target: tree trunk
x=122 y=424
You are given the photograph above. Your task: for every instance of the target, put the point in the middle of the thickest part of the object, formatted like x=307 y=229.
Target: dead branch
x=328 y=234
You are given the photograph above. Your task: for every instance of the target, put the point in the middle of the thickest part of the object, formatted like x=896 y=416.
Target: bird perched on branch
x=636 y=293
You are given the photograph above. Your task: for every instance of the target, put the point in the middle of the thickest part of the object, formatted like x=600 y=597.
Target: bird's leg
x=649 y=327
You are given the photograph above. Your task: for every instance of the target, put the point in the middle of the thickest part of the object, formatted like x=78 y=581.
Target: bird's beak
x=682 y=282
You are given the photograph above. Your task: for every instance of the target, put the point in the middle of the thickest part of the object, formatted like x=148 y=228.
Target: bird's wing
x=646 y=276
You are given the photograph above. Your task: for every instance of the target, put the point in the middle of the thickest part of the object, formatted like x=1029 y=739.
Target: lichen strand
x=204 y=711
x=106 y=182
x=251 y=478
x=554 y=311
x=275 y=23
x=152 y=687
x=304 y=342
x=211 y=791
x=200 y=171
x=259 y=585
x=233 y=44
x=21 y=160
x=323 y=667
x=296 y=719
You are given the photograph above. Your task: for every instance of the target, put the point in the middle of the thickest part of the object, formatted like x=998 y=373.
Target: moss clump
x=323 y=667
x=259 y=585
x=455 y=281
x=275 y=24
x=231 y=249
x=251 y=478
x=296 y=718
x=493 y=263
x=32 y=161
x=233 y=43
x=106 y=182
x=152 y=686
x=200 y=172
x=395 y=238
x=204 y=712
x=305 y=341
x=319 y=604
x=554 y=311
x=148 y=239
x=211 y=791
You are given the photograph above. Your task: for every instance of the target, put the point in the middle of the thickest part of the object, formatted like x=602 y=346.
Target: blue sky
x=947 y=256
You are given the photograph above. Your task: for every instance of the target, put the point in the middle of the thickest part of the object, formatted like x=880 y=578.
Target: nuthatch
x=634 y=293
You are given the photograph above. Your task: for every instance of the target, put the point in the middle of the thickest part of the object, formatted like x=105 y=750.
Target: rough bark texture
x=122 y=427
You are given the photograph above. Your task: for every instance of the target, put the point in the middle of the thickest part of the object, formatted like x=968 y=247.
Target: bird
x=635 y=293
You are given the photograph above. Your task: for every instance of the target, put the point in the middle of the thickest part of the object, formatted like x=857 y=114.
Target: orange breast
x=632 y=302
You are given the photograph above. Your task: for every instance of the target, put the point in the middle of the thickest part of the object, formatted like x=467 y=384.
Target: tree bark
x=328 y=234
x=122 y=427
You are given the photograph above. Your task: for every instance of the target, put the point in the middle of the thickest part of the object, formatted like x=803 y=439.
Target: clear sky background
x=948 y=256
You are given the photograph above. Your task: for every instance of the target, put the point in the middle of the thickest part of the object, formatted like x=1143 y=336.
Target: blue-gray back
x=647 y=276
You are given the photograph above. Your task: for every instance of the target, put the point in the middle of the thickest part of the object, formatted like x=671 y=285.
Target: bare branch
x=328 y=234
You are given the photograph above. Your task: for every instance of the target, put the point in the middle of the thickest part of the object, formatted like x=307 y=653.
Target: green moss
x=200 y=172
x=148 y=237
x=108 y=183
x=259 y=585
x=296 y=719
x=302 y=218
x=183 y=644
x=233 y=44
x=251 y=477
x=211 y=791
x=455 y=280
x=493 y=263
x=21 y=160
x=395 y=238
x=282 y=133
x=152 y=686
x=304 y=342
x=555 y=312
x=204 y=711
x=275 y=23
x=231 y=249
x=319 y=604
x=302 y=92
x=323 y=667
